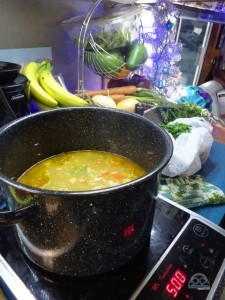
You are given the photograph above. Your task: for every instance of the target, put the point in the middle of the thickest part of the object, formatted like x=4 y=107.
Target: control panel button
x=187 y=249
x=200 y=230
x=205 y=262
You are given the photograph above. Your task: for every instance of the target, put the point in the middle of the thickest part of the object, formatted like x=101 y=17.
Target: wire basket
x=103 y=40
x=107 y=45
x=109 y=64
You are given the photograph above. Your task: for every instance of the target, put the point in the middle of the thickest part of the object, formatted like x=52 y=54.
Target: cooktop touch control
x=190 y=268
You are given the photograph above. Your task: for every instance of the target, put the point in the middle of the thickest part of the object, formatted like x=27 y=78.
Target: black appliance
x=184 y=259
x=14 y=99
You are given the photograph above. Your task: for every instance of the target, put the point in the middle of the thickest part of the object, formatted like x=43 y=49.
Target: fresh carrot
x=123 y=90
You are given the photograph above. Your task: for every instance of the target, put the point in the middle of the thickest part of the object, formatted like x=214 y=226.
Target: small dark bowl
x=8 y=71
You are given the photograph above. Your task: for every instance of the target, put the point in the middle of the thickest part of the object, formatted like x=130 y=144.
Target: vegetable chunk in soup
x=81 y=171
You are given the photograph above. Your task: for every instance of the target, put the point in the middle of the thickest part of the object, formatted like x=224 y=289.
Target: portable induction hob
x=184 y=259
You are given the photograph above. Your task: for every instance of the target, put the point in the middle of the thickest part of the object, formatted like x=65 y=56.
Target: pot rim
x=39 y=191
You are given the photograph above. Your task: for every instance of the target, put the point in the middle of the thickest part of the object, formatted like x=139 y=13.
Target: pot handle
x=15 y=216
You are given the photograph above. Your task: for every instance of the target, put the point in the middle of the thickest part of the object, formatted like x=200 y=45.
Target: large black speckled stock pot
x=81 y=233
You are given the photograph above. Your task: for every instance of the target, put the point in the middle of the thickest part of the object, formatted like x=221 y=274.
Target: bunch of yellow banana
x=46 y=92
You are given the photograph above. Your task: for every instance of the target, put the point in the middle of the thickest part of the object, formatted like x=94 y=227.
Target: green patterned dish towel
x=191 y=191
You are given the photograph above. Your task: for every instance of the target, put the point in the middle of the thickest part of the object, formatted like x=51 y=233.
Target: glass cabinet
x=194 y=36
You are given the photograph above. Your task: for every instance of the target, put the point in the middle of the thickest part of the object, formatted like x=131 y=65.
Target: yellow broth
x=82 y=171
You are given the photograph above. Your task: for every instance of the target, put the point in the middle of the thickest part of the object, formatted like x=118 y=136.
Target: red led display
x=175 y=283
x=129 y=230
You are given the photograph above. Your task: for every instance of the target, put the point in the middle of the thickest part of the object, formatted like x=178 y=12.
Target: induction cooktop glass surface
x=117 y=284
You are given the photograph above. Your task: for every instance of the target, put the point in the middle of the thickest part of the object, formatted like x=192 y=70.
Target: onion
x=104 y=101
x=127 y=104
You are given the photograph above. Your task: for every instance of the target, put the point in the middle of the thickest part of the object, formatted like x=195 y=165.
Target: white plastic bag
x=191 y=150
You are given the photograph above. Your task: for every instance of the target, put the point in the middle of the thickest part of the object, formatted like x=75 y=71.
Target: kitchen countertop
x=214 y=172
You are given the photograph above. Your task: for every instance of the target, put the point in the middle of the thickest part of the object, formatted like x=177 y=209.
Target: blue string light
x=163 y=73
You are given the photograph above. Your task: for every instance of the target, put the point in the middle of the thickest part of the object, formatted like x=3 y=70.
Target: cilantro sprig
x=177 y=129
x=180 y=110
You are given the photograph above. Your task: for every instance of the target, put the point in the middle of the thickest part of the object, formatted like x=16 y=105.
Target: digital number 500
x=176 y=283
